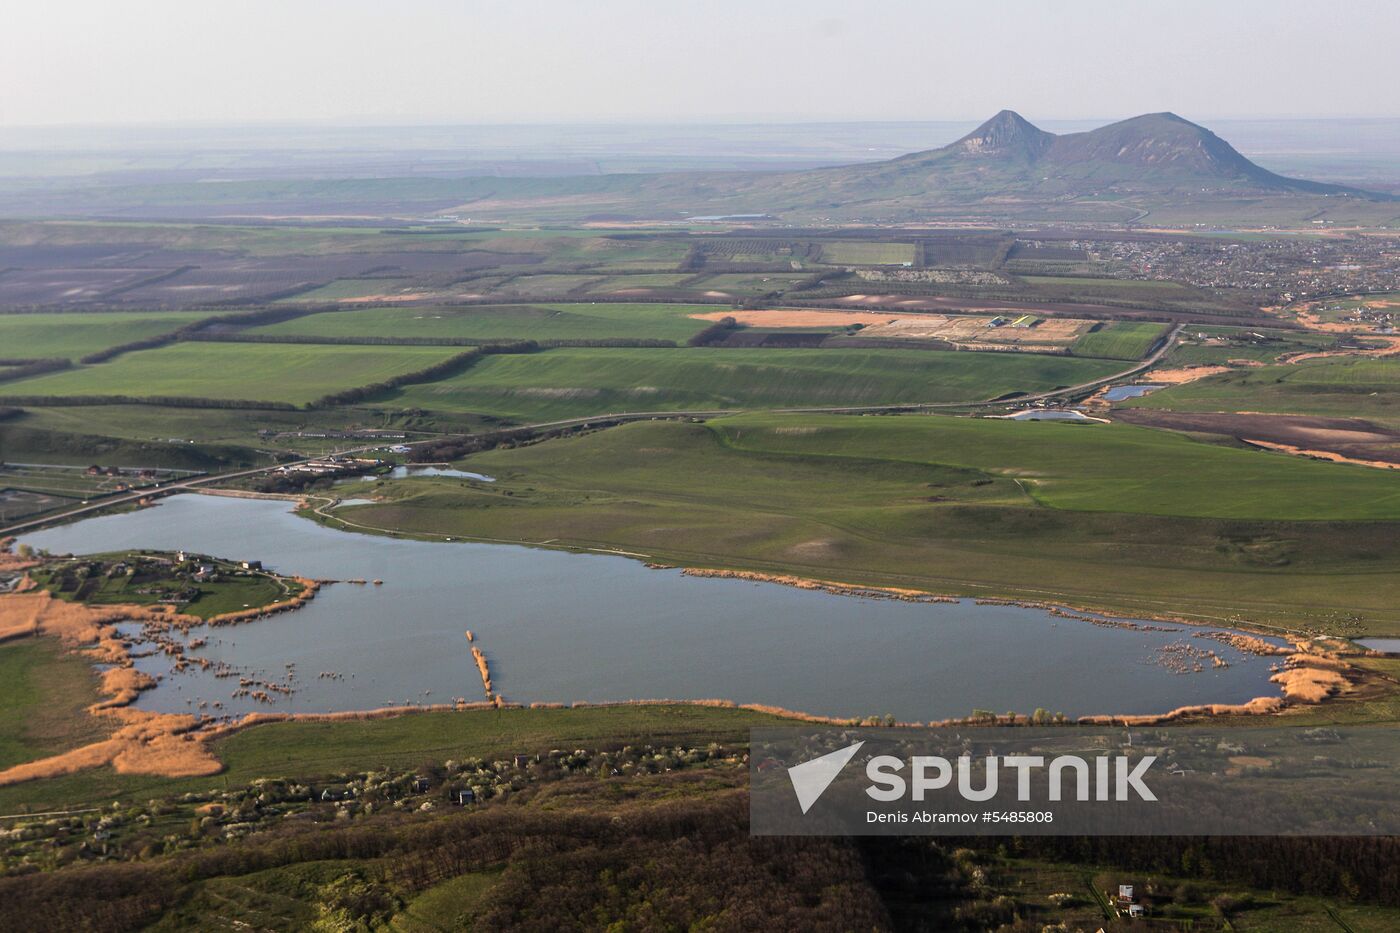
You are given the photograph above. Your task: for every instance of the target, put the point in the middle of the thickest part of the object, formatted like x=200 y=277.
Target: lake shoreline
x=179 y=745
x=1303 y=679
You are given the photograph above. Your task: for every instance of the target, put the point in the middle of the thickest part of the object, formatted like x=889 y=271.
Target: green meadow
x=263 y=372
x=583 y=320
x=581 y=381
x=1120 y=340
x=1092 y=468
x=750 y=284
x=346 y=289
x=857 y=253
x=73 y=335
x=44 y=691
x=1112 y=517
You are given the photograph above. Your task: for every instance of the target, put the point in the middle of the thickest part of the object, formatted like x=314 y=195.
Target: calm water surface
x=1049 y=414
x=1120 y=393
x=563 y=627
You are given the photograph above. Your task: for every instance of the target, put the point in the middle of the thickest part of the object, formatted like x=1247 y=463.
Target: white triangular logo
x=811 y=778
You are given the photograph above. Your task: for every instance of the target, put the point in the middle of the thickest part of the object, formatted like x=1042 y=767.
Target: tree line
x=23 y=369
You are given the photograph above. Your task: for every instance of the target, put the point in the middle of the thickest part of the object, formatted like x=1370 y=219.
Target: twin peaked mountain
x=1006 y=170
x=1155 y=153
x=1160 y=146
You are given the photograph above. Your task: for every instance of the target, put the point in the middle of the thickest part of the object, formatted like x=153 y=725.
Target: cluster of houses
x=141 y=476
x=1379 y=320
x=204 y=569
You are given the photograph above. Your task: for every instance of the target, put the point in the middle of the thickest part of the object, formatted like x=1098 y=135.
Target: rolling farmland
x=1094 y=468
x=1120 y=340
x=32 y=336
x=570 y=382
x=274 y=373
x=503 y=322
x=856 y=253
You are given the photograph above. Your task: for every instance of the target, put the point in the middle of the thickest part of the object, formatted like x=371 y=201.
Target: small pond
x=1122 y=393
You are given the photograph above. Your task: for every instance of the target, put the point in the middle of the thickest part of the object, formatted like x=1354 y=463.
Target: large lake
x=563 y=627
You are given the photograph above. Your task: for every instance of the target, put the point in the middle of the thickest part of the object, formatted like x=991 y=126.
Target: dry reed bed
x=142 y=742
x=1312 y=678
x=164 y=744
x=825 y=586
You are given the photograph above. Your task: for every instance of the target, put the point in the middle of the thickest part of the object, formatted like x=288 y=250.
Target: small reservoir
x=561 y=627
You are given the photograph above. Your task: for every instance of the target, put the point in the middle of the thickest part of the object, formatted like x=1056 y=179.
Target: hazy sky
x=473 y=61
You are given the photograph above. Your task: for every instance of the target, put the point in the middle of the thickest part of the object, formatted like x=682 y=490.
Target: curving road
x=165 y=489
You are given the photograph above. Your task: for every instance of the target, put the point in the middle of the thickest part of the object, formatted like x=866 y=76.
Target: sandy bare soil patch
x=784 y=317
x=1321 y=454
x=961 y=329
x=968 y=329
x=1184 y=374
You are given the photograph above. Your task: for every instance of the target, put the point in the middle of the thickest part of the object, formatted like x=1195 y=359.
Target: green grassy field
x=572 y=382
x=515 y=322
x=70 y=481
x=31 y=336
x=619 y=283
x=1119 y=340
x=444 y=906
x=273 y=373
x=23 y=443
x=1092 y=468
x=342 y=289
x=1341 y=387
x=44 y=692
x=857 y=253
x=1108 y=516
x=281 y=240
x=167 y=431
x=547 y=285
x=749 y=283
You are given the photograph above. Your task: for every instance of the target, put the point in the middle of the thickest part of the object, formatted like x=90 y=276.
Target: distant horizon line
x=371 y=122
